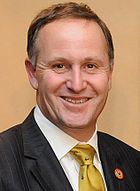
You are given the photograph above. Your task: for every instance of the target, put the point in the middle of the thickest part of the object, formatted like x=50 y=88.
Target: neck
x=81 y=134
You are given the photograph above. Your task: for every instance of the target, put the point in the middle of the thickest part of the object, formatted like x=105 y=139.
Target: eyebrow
x=86 y=59
x=89 y=59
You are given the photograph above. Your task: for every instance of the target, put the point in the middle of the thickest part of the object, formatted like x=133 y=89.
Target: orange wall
x=121 y=116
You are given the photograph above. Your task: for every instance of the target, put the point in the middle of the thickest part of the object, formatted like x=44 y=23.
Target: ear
x=110 y=78
x=31 y=71
x=110 y=82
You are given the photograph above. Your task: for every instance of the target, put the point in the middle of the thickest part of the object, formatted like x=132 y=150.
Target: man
x=70 y=63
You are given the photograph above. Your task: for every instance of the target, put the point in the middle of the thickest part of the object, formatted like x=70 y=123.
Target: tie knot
x=83 y=154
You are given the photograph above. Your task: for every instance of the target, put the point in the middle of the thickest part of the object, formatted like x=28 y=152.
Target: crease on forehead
x=64 y=21
x=83 y=23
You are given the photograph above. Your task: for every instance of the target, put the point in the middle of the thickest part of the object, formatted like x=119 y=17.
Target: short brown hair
x=60 y=11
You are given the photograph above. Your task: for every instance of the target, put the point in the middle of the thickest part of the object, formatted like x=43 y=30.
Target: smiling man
x=72 y=74
x=70 y=63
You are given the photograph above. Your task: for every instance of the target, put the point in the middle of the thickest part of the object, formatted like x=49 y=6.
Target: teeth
x=76 y=101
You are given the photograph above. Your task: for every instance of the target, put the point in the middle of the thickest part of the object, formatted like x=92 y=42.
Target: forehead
x=73 y=37
x=71 y=27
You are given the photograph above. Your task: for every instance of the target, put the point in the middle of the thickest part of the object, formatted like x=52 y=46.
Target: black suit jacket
x=28 y=163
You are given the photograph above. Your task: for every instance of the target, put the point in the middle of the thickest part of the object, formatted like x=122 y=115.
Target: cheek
x=101 y=83
x=49 y=83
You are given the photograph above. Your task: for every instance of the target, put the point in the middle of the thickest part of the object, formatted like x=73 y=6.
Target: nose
x=76 y=81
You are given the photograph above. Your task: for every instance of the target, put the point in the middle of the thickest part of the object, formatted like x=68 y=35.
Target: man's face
x=72 y=76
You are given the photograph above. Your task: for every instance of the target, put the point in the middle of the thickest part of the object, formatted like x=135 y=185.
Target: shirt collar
x=60 y=142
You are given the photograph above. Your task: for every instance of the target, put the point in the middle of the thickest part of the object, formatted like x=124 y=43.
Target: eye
x=90 y=66
x=59 y=68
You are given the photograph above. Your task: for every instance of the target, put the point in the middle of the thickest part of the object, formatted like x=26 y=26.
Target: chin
x=79 y=123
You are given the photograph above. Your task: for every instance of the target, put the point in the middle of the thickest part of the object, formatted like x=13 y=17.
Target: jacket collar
x=47 y=170
x=43 y=162
x=115 y=163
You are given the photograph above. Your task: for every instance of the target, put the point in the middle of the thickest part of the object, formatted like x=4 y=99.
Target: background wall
x=121 y=116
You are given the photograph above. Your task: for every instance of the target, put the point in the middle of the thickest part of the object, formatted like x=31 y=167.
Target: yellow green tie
x=90 y=178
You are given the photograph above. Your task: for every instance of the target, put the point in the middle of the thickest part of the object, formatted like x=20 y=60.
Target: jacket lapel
x=109 y=163
x=113 y=159
x=42 y=163
x=48 y=172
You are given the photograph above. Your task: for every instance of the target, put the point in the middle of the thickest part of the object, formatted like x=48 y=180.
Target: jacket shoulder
x=13 y=135
x=113 y=144
x=9 y=135
x=10 y=142
x=115 y=141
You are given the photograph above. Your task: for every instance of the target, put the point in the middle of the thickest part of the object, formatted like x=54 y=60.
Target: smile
x=76 y=100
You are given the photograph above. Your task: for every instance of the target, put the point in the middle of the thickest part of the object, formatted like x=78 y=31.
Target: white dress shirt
x=61 y=144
